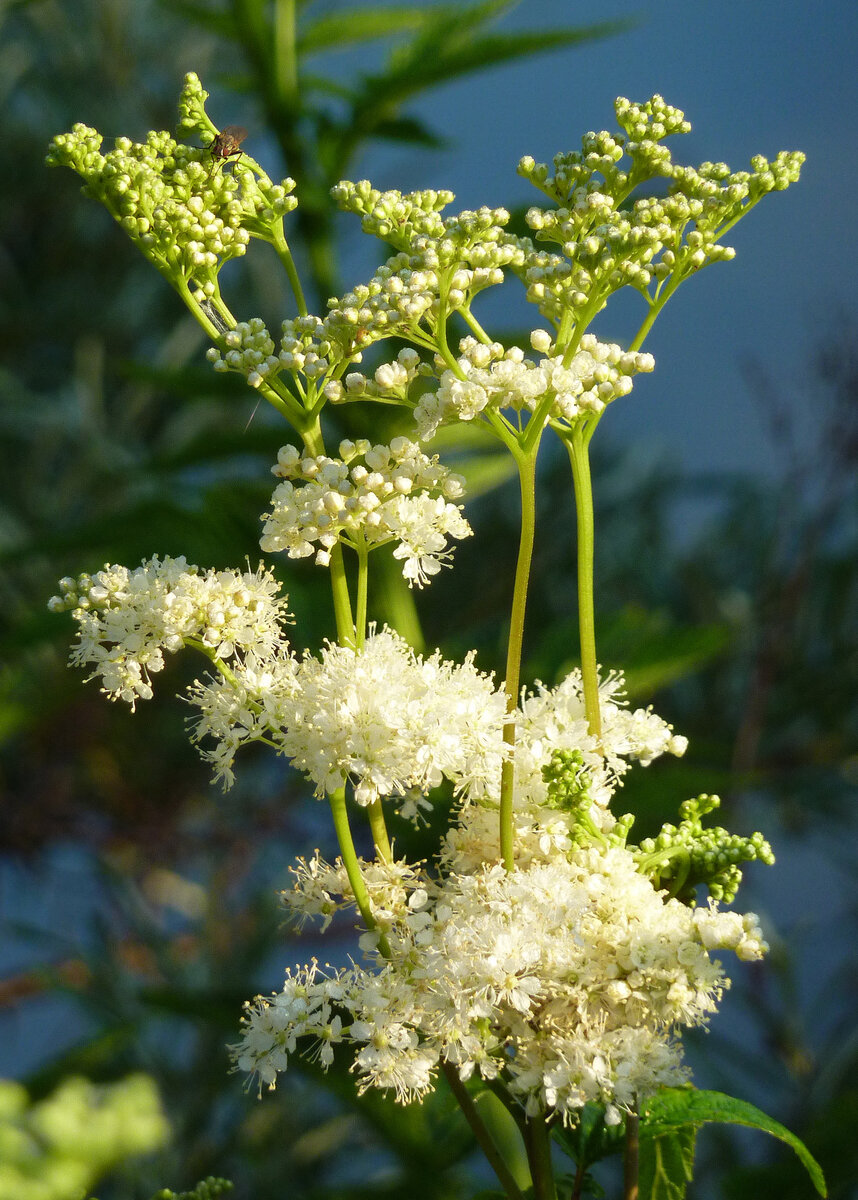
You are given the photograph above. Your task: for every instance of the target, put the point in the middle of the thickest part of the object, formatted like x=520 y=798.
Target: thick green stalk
x=527 y=482
x=379 y=832
x=537 y=1140
x=631 y=1157
x=363 y=580
x=481 y=1133
x=578 y=446
x=352 y=866
x=285 y=57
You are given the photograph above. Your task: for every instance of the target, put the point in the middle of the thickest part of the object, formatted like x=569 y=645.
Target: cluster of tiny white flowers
x=390 y=380
x=550 y=720
x=555 y=719
x=368 y=497
x=322 y=889
x=567 y=978
x=127 y=619
x=251 y=703
x=489 y=377
x=391 y=721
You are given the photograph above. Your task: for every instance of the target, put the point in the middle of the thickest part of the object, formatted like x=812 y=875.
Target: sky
x=752 y=78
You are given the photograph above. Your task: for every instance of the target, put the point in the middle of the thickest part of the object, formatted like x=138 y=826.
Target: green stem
x=481 y=1133
x=631 y=1157
x=285 y=58
x=474 y=324
x=537 y=1140
x=314 y=444
x=579 y=455
x=363 y=578
x=527 y=482
x=379 y=832
x=285 y=255
x=352 y=866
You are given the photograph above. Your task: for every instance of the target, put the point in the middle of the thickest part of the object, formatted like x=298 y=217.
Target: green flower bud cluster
x=568 y=791
x=684 y=856
x=568 y=782
x=468 y=251
x=390 y=216
x=207 y=1189
x=187 y=216
x=58 y=1148
x=651 y=243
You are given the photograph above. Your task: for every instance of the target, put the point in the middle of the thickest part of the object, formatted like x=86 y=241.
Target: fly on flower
x=228 y=142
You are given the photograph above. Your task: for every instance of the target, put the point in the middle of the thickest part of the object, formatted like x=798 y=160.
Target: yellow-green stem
x=379 y=832
x=352 y=866
x=363 y=578
x=527 y=482
x=285 y=58
x=578 y=446
x=314 y=444
x=285 y=256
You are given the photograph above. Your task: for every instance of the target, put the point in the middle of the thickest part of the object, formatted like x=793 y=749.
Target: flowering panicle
x=368 y=497
x=392 y=721
x=127 y=620
x=541 y=951
x=567 y=980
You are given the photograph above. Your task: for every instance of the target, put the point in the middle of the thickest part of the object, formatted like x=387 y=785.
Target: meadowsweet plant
x=542 y=953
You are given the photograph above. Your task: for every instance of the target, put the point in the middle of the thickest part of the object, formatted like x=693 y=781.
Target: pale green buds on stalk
x=652 y=243
x=188 y=215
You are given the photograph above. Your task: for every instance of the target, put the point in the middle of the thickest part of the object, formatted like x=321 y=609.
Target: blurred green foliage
x=733 y=598
x=56 y=1149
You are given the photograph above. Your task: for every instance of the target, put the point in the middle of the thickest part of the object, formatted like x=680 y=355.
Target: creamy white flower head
x=491 y=377
x=370 y=496
x=555 y=719
x=389 y=720
x=571 y=977
x=128 y=619
x=252 y=703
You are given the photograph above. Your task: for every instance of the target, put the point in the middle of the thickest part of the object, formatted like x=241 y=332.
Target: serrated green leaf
x=339 y=29
x=674 y=1108
x=667 y=1164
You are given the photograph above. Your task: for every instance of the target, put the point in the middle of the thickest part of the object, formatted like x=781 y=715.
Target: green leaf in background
x=338 y=29
x=675 y=1109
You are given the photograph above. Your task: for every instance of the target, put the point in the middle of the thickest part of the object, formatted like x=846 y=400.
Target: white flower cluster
x=390 y=381
x=566 y=979
x=127 y=620
x=391 y=721
x=489 y=377
x=547 y=721
x=368 y=497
